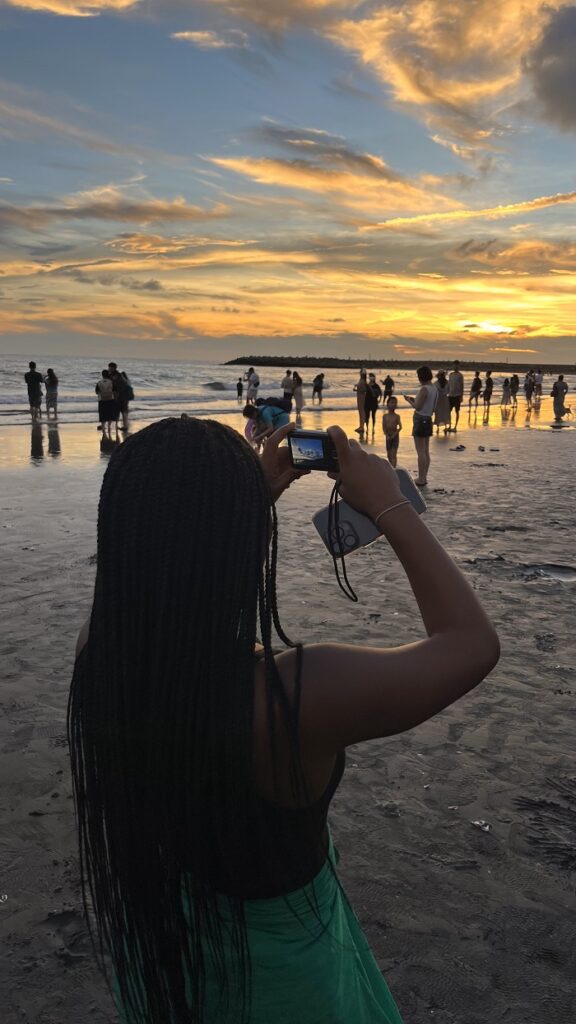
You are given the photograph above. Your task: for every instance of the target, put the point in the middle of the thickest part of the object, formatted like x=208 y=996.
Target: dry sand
x=468 y=926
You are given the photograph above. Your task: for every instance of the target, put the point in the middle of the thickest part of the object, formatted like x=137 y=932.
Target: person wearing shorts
x=455 y=392
x=392 y=425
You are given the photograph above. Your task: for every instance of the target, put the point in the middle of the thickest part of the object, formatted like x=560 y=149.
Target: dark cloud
x=324 y=149
x=551 y=66
x=120 y=208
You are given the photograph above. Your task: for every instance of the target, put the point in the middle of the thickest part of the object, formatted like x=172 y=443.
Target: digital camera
x=312 y=449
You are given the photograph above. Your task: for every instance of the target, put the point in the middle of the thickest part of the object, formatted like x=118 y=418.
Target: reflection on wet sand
x=109 y=445
x=54 y=447
x=36 y=441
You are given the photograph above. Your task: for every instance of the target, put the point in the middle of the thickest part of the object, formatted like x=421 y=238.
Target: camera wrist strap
x=335 y=538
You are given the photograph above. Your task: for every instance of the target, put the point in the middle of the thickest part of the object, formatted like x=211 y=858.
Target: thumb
x=340 y=442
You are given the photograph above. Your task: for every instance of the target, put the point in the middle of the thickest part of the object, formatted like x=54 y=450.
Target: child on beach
x=392 y=425
x=505 y=393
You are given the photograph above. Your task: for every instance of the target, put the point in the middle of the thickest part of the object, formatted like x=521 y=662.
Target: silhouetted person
x=34 y=383
x=317 y=386
x=51 y=382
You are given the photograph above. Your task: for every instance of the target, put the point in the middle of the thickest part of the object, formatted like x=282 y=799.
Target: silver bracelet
x=390 y=509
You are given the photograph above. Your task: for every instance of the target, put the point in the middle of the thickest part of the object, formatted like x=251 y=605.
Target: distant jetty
x=358 y=362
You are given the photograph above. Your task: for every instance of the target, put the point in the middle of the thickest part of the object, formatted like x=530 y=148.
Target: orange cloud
x=74 y=8
x=490 y=213
x=377 y=187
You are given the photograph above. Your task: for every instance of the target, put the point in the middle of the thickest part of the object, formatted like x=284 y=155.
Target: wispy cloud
x=231 y=39
x=107 y=205
x=488 y=213
x=74 y=8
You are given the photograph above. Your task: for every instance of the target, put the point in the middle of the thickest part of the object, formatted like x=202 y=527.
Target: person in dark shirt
x=123 y=392
x=34 y=381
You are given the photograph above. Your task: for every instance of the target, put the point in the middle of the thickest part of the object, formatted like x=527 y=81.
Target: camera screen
x=306 y=451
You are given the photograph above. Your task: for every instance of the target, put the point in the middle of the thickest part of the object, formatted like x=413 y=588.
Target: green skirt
x=311 y=962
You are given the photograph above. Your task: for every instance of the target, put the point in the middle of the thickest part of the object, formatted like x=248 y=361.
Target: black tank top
x=286 y=847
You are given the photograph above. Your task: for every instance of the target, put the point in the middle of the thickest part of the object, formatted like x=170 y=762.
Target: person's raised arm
x=352 y=693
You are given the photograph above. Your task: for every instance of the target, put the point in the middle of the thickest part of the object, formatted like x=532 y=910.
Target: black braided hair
x=160 y=714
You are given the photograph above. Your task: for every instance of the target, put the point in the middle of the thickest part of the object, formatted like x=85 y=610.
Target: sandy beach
x=468 y=925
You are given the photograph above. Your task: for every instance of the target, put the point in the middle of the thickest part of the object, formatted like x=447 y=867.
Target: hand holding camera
x=367 y=482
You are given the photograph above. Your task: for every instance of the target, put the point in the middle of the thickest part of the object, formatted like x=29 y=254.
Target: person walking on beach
x=559 y=390
x=514 y=387
x=253 y=384
x=372 y=400
x=239 y=388
x=505 y=401
x=317 y=386
x=298 y=392
x=361 y=389
x=424 y=405
x=538 y=381
x=388 y=385
x=34 y=381
x=455 y=392
x=51 y=384
x=287 y=386
x=442 y=411
x=475 y=389
x=107 y=404
x=488 y=389
x=209 y=875
x=392 y=425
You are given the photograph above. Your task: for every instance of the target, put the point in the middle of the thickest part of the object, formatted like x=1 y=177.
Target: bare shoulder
x=352 y=693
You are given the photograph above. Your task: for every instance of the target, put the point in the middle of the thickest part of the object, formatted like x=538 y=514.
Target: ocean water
x=200 y=389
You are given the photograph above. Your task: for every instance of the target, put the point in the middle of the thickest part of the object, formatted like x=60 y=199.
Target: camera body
x=312 y=449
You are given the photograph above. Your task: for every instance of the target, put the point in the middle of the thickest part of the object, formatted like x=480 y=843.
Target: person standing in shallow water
x=424 y=405
x=455 y=392
x=372 y=400
x=34 y=382
x=361 y=389
x=559 y=391
x=298 y=392
x=210 y=873
x=51 y=384
x=475 y=389
x=442 y=411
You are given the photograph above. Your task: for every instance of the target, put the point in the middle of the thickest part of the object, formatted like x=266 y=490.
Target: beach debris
x=391 y=810
x=459 y=448
x=494 y=449
x=484 y=826
x=453 y=807
x=427 y=786
x=545 y=642
x=3 y=897
x=560 y=573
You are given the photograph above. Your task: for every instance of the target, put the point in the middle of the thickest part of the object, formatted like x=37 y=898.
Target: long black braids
x=160 y=714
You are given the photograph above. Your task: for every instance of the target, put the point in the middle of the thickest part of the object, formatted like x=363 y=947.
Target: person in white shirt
x=538 y=379
x=253 y=384
x=455 y=392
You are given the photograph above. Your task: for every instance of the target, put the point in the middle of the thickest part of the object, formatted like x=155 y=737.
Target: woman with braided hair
x=203 y=766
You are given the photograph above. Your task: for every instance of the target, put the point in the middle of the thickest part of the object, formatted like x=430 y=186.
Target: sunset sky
x=190 y=179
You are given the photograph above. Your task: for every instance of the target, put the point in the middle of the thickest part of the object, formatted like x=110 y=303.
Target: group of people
x=115 y=392
x=34 y=381
x=292 y=388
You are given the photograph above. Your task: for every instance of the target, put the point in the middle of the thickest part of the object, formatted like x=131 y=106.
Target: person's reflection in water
x=54 y=447
x=36 y=442
x=108 y=445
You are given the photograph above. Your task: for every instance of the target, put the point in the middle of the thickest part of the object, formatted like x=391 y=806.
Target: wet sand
x=469 y=926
